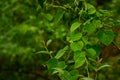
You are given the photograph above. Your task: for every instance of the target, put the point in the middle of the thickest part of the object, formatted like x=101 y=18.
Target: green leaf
x=65 y=76
x=91 y=9
x=97 y=48
x=52 y=63
x=62 y=65
x=43 y=52
x=97 y=23
x=86 y=78
x=59 y=67
x=60 y=31
x=74 y=72
x=72 y=75
x=75 y=36
x=58 y=70
x=91 y=52
x=27 y=28
x=61 y=52
x=102 y=12
x=103 y=66
x=79 y=58
x=89 y=27
x=59 y=16
x=49 y=17
x=85 y=39
x=106 y=36
x=74 y=26
x=48 y=42
x=77 y=46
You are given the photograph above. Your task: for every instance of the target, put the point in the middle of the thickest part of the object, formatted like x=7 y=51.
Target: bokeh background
x=25 y=27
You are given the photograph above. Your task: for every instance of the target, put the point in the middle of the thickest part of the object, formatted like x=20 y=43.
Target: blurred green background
x=25 y=28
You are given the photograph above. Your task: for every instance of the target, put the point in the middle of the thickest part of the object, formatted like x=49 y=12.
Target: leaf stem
x=46 y=48
x=87 y=67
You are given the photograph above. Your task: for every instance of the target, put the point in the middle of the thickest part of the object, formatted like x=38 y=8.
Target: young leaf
x=59 y=67
x=91 y=9
x=62 y=65
x=91 y=52
x=61 y=52
x=48 y=42
x=86 y=78
x=74 y=26
x=77 y=46
x=102 y=12
x=49 y=17
x=106 y=36
x=74 y=72
x=59 y=15
x=65 y=75
x=52 y=63
x=79 y=58
x=43 y=52
x=90 y=28
x=97 y=23
x=72 y=75
x=58 y=70
x=103 y=66
x=75 y=36
x=85 y=39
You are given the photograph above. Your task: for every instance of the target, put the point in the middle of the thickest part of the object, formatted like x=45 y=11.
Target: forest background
x=59 y=40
